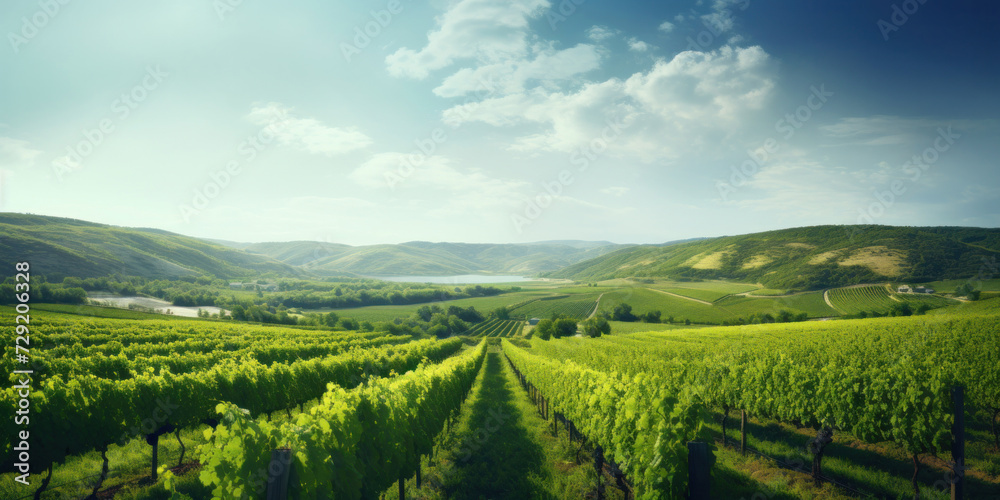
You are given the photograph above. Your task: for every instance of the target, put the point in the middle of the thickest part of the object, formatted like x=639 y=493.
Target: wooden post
x=743 y=432
x=154 y=441
x=958 y=443
x=278 y=472
x=698 y=470
x=418 y=473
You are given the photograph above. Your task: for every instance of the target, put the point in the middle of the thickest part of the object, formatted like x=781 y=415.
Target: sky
x=385 y=121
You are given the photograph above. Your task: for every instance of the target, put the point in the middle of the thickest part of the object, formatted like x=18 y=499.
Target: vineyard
x=877 y=298
x=577 y=306
x=497 y=328
x=368 y=414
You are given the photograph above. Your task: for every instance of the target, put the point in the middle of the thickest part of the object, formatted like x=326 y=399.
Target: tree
x=331 y=319
x=564 y=327
x=651 y=317
x=349 y=324
x=501 y=313
x=596 y=326
x=424 y=312
x=544 y=329
x=623 y=312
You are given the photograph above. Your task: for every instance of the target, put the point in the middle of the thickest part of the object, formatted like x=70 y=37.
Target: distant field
x=497 y=328
x=729 y=308
x=878 y=298
x=389 y=313
x=577 y=306
x=949 y=286
x=724 y=287
x=990 y=305
x=621 y=327
x=810 y=303
x=695 y=293
x=768 y=292
x=644 y=300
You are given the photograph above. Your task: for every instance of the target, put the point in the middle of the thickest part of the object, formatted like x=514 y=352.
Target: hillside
x=426 y=258
x=808 y=258
x=58 y=247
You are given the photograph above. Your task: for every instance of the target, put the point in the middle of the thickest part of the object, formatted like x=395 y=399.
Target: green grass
x=575 y=306
x=723 y=287
x=811 y=303
x=694 y=293
x=768 y=292
x=622 y=327
x=949 y=286
x=501 y=448
x=880 y=469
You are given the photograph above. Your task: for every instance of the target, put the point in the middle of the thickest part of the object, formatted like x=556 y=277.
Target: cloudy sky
x=383 y=121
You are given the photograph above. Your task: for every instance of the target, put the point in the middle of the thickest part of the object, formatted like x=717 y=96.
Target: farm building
x=533 y=321
x=904 y=289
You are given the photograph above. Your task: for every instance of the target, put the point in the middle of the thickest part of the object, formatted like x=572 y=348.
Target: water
x=463 y=279
x=160 y=306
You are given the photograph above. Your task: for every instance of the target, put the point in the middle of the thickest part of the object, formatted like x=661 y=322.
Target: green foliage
x=354 y=444
x=596 y=326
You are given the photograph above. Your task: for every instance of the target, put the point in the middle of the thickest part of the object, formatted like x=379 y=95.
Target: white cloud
x=694 y=98
x=886 y=130
x=306 y=134
x=721 y=18
x=600 y=33
x=636 y=45
x=547 y=67
x=666 y=26
x=15 y=153
x=485 y=30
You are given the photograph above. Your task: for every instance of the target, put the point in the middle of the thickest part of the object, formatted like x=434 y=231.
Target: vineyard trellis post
x=958 y=443
x=743 y=432
x=698 y=470
x=278 y=472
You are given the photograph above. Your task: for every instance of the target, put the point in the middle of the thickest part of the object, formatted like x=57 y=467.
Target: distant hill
x=58 y=247
x=809 y=257
x=426 y=258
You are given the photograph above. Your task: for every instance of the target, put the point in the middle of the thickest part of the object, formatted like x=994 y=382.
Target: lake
x=463 y=279
x=160 y=306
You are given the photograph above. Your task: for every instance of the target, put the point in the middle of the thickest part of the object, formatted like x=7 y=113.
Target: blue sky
x=485 y=121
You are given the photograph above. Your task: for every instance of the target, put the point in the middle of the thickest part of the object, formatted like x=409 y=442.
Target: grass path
x=597 y=306
x=501 y=448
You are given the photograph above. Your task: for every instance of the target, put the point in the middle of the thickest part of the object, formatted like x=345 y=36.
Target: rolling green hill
x=808 y=258
x=58 y=247
x=426 y=258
